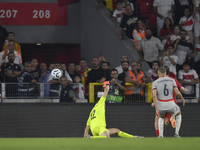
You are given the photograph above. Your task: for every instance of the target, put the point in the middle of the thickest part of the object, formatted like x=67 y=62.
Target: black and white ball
x=56 y=73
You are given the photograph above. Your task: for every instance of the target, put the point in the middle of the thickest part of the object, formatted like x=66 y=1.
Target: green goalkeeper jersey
x=97 y=115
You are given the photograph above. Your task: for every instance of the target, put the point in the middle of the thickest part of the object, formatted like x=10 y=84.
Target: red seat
x=145 y=9
x=152 y=20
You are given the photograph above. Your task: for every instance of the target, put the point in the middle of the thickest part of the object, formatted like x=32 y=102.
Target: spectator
x=54 y=87
x=35 y=70
x=84 y=73
x=67 y=93
x=166 y=31
x=11 y=37
x=10 y=45
x=169 y=59
x=3 y=35
x=101 y=59
x=126 y=2
x=79 y=89
x=72 y=70
x=176 y=35
x=133 y=76
x=181 y=5
x=51 y=67
x=63 y=65
x=26 y=90
x=11 y=72
x=188 y=77
x=187 y=21
x=125 y=65
x=119 y=68
x=117 y=88
x=196 y=23
x=129 y=20
x=139 y=32
x=78 y=68
x=151 y=46
x=153 y=73
x=118 y=13
x=163 y=9
x=197 y=59
x=44 y=78
x=106 y=70
x=182 y=48
x=96 y=74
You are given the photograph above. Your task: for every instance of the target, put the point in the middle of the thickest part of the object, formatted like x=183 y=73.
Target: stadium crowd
x=175 y=44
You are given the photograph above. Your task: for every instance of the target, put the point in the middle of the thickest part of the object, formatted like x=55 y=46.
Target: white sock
x=178 y=123
x=161 y=126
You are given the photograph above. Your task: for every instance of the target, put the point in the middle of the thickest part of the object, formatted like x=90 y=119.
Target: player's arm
x=155 y=101
x=184 y=89
x=86 y=130
x=179 y=95
x=106 y=89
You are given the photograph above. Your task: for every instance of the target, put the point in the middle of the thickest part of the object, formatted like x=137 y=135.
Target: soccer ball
x=56 y=73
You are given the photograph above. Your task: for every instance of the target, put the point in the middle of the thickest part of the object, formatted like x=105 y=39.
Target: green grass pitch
x=187 y=143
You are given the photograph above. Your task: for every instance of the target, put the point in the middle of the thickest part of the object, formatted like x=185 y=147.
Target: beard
x=125 y=69
x=11 y=61
x=148 y=37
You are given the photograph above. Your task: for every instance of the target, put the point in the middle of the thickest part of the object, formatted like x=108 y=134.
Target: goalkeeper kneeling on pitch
x=97 y=120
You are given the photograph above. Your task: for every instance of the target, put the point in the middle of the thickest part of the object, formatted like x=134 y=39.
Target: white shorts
x=173 y=111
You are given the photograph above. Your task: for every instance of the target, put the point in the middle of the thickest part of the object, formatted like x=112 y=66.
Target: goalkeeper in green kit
x=97 y=121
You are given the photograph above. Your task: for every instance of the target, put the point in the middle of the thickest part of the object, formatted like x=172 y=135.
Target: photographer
x=116 y=90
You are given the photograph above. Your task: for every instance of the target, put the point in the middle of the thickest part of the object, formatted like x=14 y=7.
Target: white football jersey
x=165 y=87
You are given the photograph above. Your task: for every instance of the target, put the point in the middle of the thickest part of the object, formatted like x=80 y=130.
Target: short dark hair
x=148 y=29
x=34 y=58
x=133 y=62
x=155 y=62
x=128 y=5
x=167 y=70
x=27 y=62
x=57 y=62
x=186 y=63
x=83 y=59
x=183 y=30
x=113 y=70
x=117 y=2
x=125 y=62
x=95 y=57
x=11 y=53
x=63 y=77
x=11 y=33
x=103 y=62
x=72 y=63
x=77 y=75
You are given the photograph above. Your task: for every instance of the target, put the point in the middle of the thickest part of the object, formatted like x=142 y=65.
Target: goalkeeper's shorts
x=99 y=130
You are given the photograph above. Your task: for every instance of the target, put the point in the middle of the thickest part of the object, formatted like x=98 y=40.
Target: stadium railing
x=94 y=88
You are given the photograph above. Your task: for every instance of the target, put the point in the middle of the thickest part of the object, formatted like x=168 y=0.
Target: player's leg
x=100 y=132
x=156 y=125
x=161 y=123
x=167 y=119
x=178 y=122
x=120 y=133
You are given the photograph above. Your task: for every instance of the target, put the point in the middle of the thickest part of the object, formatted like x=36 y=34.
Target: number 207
x=41 y=14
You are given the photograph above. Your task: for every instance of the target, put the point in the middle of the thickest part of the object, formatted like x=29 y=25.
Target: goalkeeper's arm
x=106 y=89
x=86 y=130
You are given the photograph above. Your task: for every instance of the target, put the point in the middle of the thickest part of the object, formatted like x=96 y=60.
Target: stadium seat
x=146 y=8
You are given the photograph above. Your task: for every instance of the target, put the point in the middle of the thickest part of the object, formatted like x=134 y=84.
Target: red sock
x=157 y=132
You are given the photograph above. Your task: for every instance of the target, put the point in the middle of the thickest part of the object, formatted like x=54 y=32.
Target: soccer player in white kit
x=163 y=89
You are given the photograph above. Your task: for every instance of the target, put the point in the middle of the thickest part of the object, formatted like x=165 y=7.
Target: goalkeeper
x=97 y=122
